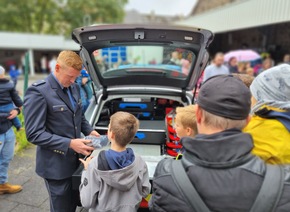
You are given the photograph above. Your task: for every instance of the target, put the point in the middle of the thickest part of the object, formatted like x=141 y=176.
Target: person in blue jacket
x=14 y=74
x=10 y=104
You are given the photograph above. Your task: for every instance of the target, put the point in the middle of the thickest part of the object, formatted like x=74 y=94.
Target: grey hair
x=222 y=123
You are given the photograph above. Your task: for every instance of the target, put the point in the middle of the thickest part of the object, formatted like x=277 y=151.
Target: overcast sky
x=162 y=7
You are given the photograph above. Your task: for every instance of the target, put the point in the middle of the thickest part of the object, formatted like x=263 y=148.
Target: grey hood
x=118 y=190
x=121 y=179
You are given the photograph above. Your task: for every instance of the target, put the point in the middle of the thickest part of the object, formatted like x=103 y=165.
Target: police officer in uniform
x=54 y=122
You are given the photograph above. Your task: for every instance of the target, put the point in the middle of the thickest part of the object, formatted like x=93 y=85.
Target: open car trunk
x=150 y=140
x=147 y=71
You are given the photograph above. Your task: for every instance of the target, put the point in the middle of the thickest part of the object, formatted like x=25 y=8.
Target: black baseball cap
x=225 y=96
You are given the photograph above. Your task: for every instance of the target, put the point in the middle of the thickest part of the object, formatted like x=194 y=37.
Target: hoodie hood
x=122 y=179
x=223 y=147
x=283 y=117
x=4 y=80
x=119 y=160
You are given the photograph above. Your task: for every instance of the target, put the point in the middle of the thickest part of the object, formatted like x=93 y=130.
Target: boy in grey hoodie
x=117 y=179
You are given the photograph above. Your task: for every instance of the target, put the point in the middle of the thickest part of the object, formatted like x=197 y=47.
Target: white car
x=146 y=70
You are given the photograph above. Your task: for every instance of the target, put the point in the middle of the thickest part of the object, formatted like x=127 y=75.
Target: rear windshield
x=169 y=61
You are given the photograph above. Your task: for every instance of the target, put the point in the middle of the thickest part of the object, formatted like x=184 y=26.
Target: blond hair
x=250 y=71
x=124 y=125
x=186 y=115
x=242 y=67
x=221 y=123
x=70 y=59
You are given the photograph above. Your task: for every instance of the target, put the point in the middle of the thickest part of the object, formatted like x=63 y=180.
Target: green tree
x=57 y=16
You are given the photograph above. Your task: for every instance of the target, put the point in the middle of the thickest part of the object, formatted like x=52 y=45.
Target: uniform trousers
x=61 y=195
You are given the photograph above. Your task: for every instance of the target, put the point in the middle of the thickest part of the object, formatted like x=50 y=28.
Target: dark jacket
x=222 y=169
x=51 y=123
x=8 y=95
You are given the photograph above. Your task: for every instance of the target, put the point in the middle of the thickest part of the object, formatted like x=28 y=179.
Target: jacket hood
x=270 y=113
x=119 y=160
x=122 y=179
x=4 y=80
x=222 y=147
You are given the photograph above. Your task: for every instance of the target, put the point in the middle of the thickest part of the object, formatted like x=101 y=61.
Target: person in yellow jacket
x=270 y=122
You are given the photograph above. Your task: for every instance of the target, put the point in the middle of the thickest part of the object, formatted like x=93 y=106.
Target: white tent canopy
x=36 y=41
x=31 y=42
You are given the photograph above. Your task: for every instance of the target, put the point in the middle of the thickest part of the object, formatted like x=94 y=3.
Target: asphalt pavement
x=34 y=196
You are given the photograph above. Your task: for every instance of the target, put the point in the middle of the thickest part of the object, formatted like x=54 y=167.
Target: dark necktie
x=72 y=101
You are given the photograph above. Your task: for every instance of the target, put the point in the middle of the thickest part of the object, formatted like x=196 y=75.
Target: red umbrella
x=242 y=55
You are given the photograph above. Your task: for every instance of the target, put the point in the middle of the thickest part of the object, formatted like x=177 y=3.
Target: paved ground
x=33 y=197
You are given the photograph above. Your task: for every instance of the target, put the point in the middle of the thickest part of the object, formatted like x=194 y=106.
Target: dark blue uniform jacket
x=50 y=123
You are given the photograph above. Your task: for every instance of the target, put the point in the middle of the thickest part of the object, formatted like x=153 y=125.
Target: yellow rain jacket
x=271 y=136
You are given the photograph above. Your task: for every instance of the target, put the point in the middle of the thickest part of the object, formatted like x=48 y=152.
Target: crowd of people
x=239 y=159
x=218 y=65
x=236 y=150
x=237 y=137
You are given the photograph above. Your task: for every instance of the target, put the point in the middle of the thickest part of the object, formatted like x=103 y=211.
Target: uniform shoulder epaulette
x=40 y=82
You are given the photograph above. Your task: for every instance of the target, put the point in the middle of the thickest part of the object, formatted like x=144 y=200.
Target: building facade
x=15 y=46
x=262 y=25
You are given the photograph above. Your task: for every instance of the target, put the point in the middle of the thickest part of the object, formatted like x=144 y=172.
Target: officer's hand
x=79 y=146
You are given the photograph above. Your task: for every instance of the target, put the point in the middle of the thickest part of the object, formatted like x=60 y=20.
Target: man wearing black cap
x=220 y=173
